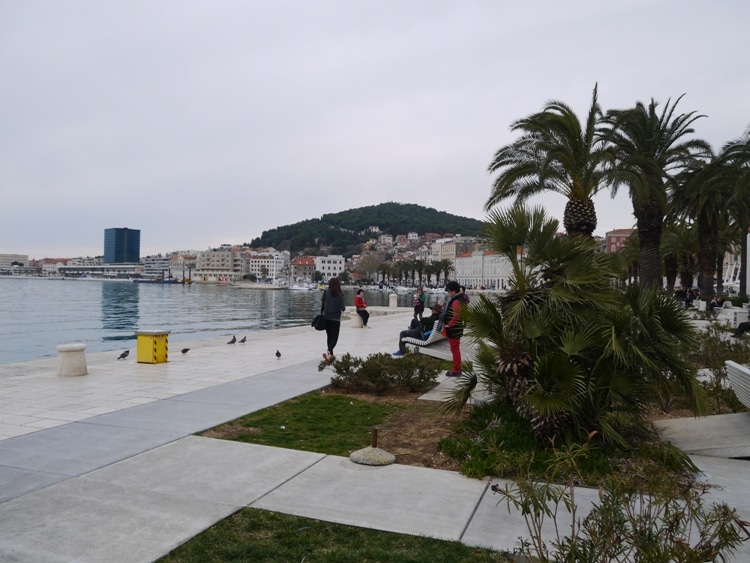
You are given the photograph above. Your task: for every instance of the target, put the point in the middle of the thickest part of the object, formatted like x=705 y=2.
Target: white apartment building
x=274 y=264
x=330 y=266
x=483 y=269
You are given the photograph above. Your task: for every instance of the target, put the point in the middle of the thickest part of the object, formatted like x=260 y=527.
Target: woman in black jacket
x=333 y=305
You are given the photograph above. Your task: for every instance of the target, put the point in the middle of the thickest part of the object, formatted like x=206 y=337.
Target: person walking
x=333 y=306
x=450 y=322
x=420 y=298
x=361 y=305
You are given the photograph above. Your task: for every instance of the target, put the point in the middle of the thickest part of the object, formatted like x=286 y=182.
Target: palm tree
x=446 y=267
x=573 y=354
x=735 y=155
x=555 y=153
x=420 y=266
x=679 y=245
x=649 y=148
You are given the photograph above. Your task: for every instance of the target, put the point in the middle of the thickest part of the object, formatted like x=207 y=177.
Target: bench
x=434 y=336
x=739 y=380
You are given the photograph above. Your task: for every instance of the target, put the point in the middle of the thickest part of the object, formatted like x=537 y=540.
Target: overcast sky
x=208 y=122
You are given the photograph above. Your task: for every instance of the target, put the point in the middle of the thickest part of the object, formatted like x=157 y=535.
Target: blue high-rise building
x=122 y=246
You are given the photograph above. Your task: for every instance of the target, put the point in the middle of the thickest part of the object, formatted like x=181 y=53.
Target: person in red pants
x=453 y=326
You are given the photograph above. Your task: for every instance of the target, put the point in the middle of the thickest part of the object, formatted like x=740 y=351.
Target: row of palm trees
x=415 y=271
x=673 y=177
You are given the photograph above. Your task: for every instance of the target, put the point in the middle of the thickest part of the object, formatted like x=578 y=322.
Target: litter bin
x=153 y=346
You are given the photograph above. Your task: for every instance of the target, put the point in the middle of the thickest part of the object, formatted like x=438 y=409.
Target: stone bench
x=739 y=381
x=72 y=359
x=357 y=320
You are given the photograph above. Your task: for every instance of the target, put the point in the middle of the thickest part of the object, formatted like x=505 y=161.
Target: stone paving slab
x=208 y=469
x=81 y=520
x=394 y=498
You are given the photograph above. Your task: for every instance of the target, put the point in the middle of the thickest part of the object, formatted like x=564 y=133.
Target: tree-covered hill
x=348 y=228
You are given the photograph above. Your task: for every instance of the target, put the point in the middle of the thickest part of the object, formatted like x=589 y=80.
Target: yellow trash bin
x=153 y=346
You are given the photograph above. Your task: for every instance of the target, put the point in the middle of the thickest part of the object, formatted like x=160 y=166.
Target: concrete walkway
x=105 y=467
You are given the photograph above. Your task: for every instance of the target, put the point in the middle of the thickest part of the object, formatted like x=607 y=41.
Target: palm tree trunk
x=649 y=220
x=708 y=244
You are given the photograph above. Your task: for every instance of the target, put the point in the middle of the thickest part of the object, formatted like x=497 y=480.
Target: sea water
x=37 y=314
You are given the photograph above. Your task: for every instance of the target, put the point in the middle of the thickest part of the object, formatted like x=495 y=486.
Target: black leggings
x=332 y=334
x=364 y=314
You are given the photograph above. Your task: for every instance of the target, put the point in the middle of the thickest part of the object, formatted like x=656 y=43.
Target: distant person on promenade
x=333 y=306
x=420 y=298
x=361 y=305
x=450 y=322
x=420 y=329
x=462 y=290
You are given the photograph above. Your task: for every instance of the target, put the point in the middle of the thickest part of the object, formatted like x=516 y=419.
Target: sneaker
x=398 y=353
x=367 y=326
x=452 y=374
x=325 y=356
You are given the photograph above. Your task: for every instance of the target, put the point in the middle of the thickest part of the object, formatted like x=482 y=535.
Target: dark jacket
x=450 y=319
x=333 y=306
x=427 y=323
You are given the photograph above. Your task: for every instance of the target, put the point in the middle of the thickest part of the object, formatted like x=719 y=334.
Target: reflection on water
x=119 y=309
x=38 y=314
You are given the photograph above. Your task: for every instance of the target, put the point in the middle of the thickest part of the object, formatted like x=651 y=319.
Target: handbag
x=319 y=322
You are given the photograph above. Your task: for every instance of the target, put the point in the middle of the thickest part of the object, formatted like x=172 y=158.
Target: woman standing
x=450 y=321
x=419 y=300
x=361 y=306
x=333 y=305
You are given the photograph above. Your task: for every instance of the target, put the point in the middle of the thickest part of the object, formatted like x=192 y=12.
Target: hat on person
x=437 y=307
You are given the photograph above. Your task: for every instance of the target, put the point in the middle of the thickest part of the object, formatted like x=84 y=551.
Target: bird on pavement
x=185 y=350
x=243 y=339
x=123 y=355
x=233 y=340
x=278 y=354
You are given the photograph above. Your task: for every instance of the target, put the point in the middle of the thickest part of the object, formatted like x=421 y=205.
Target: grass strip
x=258 y=535
x=316 y=422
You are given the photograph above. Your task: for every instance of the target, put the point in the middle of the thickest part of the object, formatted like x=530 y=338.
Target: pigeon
x=243 y=339
x=123 y=355
x=278 y=354
x=185 y=350
x=233 y=340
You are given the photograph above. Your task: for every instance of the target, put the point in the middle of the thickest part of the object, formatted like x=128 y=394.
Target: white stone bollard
x=72 y=359
x=393 y=301
x=357 y=320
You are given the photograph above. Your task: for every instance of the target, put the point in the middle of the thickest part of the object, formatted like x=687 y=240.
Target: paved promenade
x=105 y=467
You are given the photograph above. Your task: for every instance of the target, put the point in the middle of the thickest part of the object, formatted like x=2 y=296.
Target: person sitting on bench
x=419 y=329
x=742 y=327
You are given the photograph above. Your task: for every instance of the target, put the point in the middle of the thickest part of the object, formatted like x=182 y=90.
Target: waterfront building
x=9 y=260
x=483 y=269
x=303 y=269
x=330 y=266
x=220 y=265
x=616 y=239
x=156 y=266
x=122 y=246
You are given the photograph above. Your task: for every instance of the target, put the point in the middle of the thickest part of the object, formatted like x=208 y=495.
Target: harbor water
x=37 y=314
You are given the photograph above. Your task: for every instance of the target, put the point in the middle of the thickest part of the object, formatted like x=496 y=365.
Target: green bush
x=382 y=373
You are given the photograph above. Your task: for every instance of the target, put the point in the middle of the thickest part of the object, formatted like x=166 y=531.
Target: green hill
x=347 y=230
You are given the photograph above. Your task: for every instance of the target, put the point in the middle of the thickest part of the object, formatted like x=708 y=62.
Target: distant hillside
x=343 y=230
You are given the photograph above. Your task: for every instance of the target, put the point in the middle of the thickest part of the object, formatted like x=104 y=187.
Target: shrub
x=382 y=373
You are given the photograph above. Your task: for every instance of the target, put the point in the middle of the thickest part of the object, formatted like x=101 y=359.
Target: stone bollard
x=72 y=359
x=393 y=300
x=357 y=321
